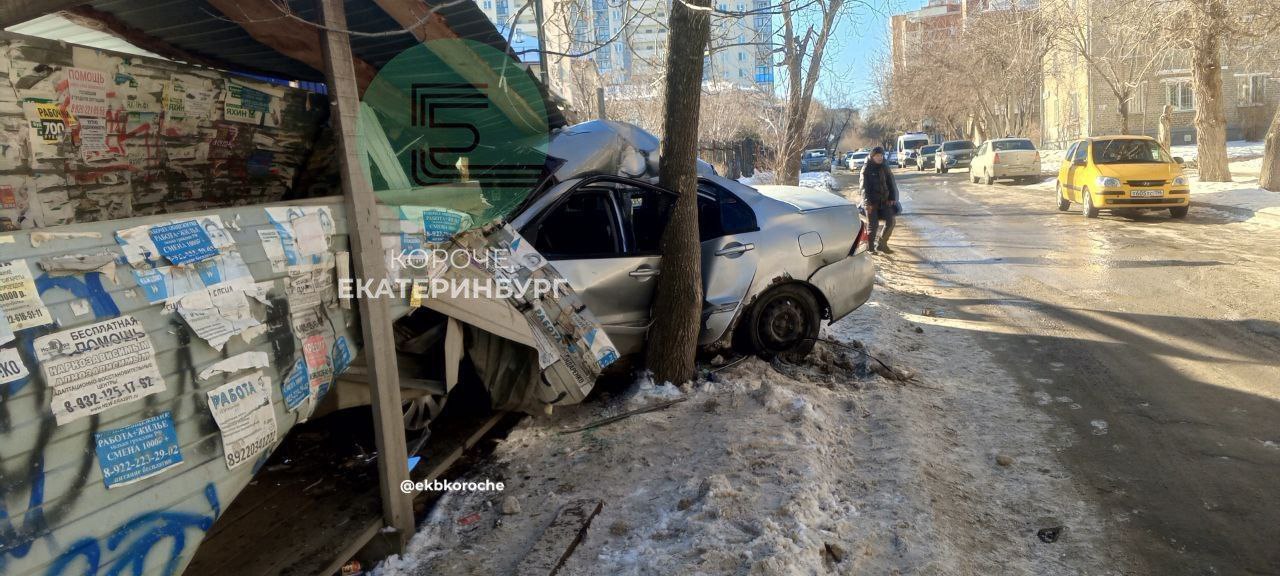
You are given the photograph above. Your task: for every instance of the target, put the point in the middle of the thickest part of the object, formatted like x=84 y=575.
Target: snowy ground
x=824 y=466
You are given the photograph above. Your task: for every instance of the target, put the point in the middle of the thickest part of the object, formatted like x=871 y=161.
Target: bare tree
x=1120 y=41
x=677 y=307
x=806 y=29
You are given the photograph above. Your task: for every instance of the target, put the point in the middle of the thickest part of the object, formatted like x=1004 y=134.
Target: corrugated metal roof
x=201 y=30
x=56 y=27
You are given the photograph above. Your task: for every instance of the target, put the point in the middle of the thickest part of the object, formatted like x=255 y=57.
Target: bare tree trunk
x=1269 y=179
x=677 y=307
x=1124 y=115
x=1211 y=118
x=1165 y=135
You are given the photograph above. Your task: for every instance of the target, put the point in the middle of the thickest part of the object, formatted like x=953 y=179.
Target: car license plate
x=1146 y=193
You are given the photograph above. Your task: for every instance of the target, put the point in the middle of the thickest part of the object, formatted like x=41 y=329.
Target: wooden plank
x=366 y=244
x=19 y=11
x=560 y=539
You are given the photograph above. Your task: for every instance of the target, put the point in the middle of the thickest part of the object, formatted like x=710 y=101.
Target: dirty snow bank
x=820 y=180
x=776 y=468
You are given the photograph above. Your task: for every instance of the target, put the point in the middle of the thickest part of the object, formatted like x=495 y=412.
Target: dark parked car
x=815 y=160
x=926 y=157
x=953 y=154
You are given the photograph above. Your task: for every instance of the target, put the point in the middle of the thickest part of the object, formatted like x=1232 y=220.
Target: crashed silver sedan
x=776 y=260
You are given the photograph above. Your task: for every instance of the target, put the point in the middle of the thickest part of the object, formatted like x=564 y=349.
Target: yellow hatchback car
x=1122 y=173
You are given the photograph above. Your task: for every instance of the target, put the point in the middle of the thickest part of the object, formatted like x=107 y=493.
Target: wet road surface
x=1155 y=342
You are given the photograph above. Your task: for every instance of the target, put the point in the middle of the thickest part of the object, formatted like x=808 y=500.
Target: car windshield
x=1003 y=145
x=958 y=145
x=816 y=153
x=928 y=149
x=914 y=144
x=1129 y=151
x=859 y=154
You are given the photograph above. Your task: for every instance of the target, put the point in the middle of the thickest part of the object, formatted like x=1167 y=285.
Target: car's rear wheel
x=1179 y=211
x=1063 y=203
x=990 y=179
x=1088 y=210
x=783 y=320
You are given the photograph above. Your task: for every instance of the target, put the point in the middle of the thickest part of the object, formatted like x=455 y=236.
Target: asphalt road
x=1154 y=342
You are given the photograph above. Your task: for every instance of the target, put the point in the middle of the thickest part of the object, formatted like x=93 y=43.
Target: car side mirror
x=1179 y=160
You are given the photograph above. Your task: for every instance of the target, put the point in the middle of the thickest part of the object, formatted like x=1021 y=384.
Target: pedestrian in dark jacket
x=879 y=198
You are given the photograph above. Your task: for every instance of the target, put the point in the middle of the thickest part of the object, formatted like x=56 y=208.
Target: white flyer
x=92 y=368
x=242 y=408
x=86 y=92
x=18 y=297
x=11 y=366
x=270 y=238
x=219 y=312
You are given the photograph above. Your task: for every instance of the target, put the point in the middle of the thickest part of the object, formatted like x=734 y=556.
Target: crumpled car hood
x=604 y=147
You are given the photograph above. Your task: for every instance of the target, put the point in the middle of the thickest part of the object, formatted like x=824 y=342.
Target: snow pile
x=820 y=180
x=815 y=467
x=1242 y=195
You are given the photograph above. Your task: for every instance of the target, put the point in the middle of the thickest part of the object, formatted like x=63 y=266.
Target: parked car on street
x=926 y=156
x=858 y=159
x=776 y=260
x=815 y=160
x=1122 y=173
x=1015 y=158
x=953 y=154
x=891 y=158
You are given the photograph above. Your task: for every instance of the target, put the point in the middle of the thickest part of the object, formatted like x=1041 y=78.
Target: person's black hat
x=877 y=150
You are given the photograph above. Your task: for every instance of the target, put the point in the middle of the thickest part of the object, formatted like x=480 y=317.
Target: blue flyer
x=341 y=355
x=296 y=387
x=153 y=283
x=183 y=242
x=440 y=224
x=138 y=451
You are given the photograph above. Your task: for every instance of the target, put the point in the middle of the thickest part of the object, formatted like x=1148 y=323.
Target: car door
x=729 y=235
x=600 y=237
x=978 y=164
x=1077 y=170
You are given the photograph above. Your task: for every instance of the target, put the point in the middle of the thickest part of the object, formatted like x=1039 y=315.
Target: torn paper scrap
x=217 y=313
x=244 y=414
x=239 y=362
x=92 y=368
x=76 y=264
x=41 y=238
x=19 y=298
x=138 y=248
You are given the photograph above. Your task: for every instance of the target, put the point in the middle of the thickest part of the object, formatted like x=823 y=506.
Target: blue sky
x=855 y=50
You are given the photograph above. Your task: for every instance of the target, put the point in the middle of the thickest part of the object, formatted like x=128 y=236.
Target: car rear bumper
x=1016 y=171
x=845 y=284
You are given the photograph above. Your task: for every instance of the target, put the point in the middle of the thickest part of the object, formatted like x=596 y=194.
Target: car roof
x=1007 y=139
x=1120 y=137
x=956 y=141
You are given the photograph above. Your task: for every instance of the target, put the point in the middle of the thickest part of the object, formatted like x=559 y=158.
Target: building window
x=1178 y=94
x=1253 y=89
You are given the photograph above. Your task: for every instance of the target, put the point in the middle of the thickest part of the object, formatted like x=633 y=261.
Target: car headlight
x=1180 y=181
x=1107 y=182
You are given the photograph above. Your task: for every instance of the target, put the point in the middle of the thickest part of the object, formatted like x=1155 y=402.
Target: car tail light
x=996 y=158
x=863 y=242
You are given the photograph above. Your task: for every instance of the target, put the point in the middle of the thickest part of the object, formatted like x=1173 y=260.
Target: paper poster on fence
x=137 y=451
x=243 y=411
x=19 y=298
x=86 y=92
x=219 y=312
x=183 y=242
x=91 y=368
x=12 y=368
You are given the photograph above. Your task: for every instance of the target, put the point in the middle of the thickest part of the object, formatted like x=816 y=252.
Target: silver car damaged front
x=802 y=236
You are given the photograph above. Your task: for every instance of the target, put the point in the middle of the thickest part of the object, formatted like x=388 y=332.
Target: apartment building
x=1078 y=102
x=914 y=34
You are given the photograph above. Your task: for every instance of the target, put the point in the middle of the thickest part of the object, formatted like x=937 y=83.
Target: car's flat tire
x=784 y=320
